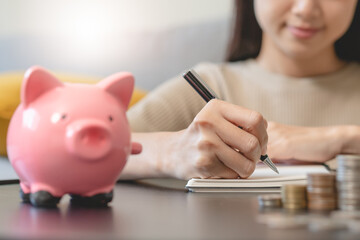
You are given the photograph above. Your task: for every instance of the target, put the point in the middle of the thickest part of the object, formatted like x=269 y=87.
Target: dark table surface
x=141 y=211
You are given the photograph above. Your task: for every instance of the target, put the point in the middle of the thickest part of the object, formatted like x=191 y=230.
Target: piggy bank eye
x=56 y=117
x=111 y=118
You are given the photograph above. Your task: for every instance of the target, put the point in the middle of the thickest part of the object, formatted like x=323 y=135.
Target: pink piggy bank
x=70 y=138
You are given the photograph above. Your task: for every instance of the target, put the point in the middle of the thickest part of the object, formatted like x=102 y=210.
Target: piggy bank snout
x=88 y=139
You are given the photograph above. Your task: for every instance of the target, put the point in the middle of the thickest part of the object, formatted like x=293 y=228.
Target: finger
x=255 y=125
x=213 y=147
x=250 y=121
x=243 y=166
x=239 y=139
x=207 y=163
x=222 y=171
x=266 y=124
x=208 y=166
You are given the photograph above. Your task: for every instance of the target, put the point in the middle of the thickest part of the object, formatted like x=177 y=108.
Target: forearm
x=147 y=164
x=317 y=144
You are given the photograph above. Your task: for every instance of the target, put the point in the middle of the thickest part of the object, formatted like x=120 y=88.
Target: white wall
x=64 y=16
x=154 y=39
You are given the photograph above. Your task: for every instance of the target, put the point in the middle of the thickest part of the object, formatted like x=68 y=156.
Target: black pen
x=207 y=94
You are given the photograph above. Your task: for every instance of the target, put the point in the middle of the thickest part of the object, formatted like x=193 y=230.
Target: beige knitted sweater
x=332 y=99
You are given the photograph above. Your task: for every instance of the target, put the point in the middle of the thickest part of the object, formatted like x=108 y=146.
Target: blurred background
x=153 y=39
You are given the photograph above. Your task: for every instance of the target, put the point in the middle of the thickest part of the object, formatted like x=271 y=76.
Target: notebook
x=262 y=180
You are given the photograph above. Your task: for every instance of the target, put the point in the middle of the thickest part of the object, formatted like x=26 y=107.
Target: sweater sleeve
x=172 y=106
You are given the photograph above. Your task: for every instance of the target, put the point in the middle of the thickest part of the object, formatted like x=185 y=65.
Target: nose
x=306 y=9
x=88 y=139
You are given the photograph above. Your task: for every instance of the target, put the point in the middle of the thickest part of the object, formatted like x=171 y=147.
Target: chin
x=298 y=52
x=299 y=55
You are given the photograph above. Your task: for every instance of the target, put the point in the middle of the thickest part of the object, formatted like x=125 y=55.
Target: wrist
x=159 y=147
x=348 y=138
x=169 y=150
x=147 y=164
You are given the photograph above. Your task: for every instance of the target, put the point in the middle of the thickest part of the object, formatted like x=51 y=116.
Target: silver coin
x=349 y=196
x=266 y=197
x=352 y=191
x=270 y=205
x=348 y=165
x=345 y=215
x=353 y=207
x=349 y=207
x=342 y=157
x=346 y=168
x=348 y=178
x=354 y=204
x=343 y=168
x=349 y=170
x=270 y=201
x=348 y=201
x=349 y=186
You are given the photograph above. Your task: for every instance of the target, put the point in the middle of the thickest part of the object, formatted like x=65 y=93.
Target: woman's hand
x=213 y=146
x=311 y=144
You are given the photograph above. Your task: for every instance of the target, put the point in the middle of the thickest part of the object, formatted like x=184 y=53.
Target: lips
x=303 y=33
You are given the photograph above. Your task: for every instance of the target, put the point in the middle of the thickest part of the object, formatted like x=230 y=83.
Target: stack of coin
x=348 y=182
x=321 y=191
x=270 y=201
x=294 y=196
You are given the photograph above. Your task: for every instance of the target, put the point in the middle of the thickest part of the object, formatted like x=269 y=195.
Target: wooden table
x=141 y=211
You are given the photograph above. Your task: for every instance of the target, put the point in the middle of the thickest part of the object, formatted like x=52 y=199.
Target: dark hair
x=246 y=39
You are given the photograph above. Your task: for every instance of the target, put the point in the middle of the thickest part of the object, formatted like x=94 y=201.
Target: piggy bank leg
x=24 y=193
x=44 y=196
x=25 y=197
x=98 y=200
x=44 y=199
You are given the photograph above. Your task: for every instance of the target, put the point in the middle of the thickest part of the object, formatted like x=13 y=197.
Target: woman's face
x=301 y=28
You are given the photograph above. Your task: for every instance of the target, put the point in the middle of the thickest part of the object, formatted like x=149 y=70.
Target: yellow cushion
x=10 y=97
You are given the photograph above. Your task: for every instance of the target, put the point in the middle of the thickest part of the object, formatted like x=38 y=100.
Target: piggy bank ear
x=37 y=81
x=120 y=85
